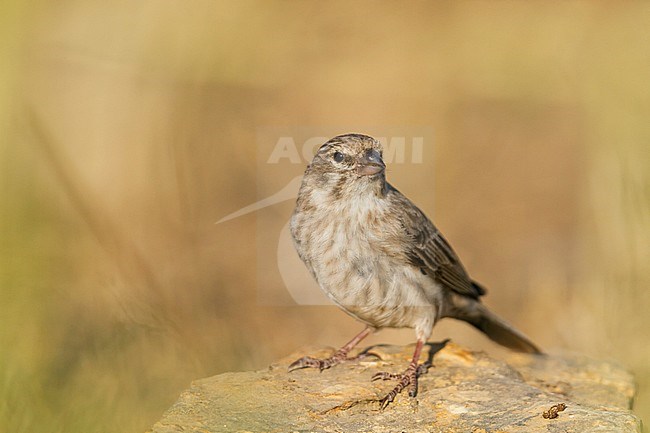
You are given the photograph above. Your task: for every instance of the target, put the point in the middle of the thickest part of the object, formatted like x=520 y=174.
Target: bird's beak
x=370 y=163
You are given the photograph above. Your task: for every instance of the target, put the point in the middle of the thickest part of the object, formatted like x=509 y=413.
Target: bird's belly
x=380 y=291
x=360 y=269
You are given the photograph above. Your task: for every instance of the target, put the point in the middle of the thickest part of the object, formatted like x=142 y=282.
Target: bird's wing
x=428 y=250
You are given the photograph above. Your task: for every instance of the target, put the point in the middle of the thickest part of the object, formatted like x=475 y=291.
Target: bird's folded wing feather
x=428 y=250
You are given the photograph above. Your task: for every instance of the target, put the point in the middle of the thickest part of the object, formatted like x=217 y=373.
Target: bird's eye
x=338 y=156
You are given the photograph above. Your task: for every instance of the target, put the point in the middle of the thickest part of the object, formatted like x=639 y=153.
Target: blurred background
x=128 y=128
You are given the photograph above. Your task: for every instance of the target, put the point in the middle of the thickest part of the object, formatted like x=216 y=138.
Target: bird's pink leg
x=408 y=378
x=338 y=356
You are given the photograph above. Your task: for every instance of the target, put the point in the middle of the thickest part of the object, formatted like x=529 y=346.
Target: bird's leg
x=408 y=378
x=338 y=356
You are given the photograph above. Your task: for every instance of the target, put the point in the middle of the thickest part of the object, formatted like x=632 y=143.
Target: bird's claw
x=423 y=368
x=407 y=379
x=384 y=402
x=308 y=362
x=322 y=364
x=384 y=375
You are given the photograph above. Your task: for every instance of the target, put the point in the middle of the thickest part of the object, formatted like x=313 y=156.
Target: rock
x=464 y=391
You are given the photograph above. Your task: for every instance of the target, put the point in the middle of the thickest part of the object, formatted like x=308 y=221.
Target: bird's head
x=348 y=161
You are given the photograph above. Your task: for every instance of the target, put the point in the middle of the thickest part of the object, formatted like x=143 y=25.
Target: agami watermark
x=395 y=149
x=283 y=154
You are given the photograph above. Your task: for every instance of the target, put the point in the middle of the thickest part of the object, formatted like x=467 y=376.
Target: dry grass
x=128 y=128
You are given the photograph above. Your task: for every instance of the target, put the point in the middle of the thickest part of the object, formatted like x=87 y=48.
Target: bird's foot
x=322 y=364
x=338 y=357
x=407 y=379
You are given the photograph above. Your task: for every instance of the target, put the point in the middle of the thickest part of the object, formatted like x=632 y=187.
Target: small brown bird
x=379 y=258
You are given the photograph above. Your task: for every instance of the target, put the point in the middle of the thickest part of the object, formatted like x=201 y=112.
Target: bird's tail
x=498 y=330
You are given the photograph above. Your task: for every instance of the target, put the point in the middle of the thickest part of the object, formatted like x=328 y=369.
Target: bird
x=378 y=257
